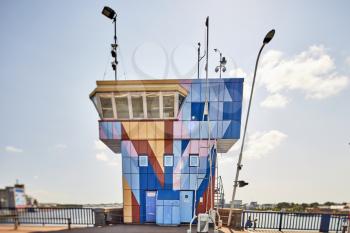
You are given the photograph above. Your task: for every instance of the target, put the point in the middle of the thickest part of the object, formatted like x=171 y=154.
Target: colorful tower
x=167 y=143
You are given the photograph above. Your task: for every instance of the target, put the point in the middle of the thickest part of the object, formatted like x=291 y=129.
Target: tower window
x=194 y=161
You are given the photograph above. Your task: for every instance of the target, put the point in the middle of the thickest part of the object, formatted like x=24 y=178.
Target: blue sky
x=51 y=53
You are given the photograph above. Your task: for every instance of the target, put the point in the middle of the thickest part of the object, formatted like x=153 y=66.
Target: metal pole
x=198 y=58
x=115 y=43
x=239 y=166
x=220 y=64
x=207 y=65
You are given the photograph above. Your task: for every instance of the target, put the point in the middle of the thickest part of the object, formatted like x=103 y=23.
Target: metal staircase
x=219 y=196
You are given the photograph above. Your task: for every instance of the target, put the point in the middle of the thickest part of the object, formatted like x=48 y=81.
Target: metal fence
x=55 y=216
x=294 y=221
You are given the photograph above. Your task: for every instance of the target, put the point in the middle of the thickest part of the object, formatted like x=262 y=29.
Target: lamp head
x=108 y=12
x=269 y=36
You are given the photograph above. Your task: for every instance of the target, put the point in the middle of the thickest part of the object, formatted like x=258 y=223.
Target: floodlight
x=108 y=12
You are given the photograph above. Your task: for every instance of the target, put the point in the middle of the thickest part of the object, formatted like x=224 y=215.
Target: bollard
x=16 y=223
x=69 y=223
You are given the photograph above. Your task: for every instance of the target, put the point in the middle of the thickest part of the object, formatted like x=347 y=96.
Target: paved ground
x=121 y=229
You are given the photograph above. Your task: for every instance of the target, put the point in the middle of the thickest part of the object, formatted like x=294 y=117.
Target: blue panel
x=213 y=111
x=204 y=129
x=185 y=181
x=214 y=92
x=175 y=215
x=193 y=181
x=202 y=164
x=186 y=203
x=220 y=129
x=221 y=91
x=134 y=167
x=185 y=165
x=203 y=91
x=159 y=202
x=168 y=180
x=194 y=129
x=228 y=111
x=150 y=206
x=230 y=87
x=186 y=111
x=135 y=182
x=143 y=181
x=237 y=111
x=159 y=214
x=177 y=148
x=151 y=181
x=197 y=111
x=195 y=93
x=220 y=110
x=213 y=129
x=167 y=214
x=184 y=144
x=126 y=164
x=238 y=91
x=233 y=130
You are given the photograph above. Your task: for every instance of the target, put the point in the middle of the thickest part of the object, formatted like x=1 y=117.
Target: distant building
x=11 y=197
x=267 y=206
x=237 y=204
x=253 y=205
x=14 y=197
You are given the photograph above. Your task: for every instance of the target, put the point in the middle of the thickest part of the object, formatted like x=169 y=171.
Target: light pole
x=222 y=63
x=266 y=40
x=110 y=13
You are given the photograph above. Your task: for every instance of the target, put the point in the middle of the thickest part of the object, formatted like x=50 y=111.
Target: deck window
x=107 y=107
x=137 y=106
x=143 y=160
x=121 y=102
x=168 y=105
x=194 y=161
x=168 y=160
x=153 y=105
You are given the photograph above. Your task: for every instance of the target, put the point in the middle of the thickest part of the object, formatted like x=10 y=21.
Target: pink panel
x=176 y=181
x=177 y=129
x=184 y=130
x=194 y=147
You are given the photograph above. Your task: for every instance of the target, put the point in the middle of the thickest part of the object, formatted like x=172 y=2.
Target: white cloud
x=261 y=144
x=13 y=149
x=247 y=81
x=347 y=61
x=274 y=101
x=312 y=72
x=102 y=156
x=99 y=145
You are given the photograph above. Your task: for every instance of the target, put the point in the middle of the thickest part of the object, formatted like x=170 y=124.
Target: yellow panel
x=126 y=193
x=151 y=130
x=160 y=152
x=134 y=130
x=127 y=219
x=142 y=130
x=159 y=129
x=152 y=144
x=127 y=211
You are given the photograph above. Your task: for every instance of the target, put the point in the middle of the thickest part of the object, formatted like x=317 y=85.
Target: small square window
x=143 y=160
x=194 y=161
x=168 y=160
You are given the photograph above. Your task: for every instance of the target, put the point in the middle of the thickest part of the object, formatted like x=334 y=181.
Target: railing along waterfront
x=54 y=216
x=295 y=221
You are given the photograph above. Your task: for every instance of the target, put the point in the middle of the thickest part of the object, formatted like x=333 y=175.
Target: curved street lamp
x=266 y=40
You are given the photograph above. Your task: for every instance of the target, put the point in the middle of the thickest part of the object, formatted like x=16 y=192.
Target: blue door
x=186 y=203
x=150 y=206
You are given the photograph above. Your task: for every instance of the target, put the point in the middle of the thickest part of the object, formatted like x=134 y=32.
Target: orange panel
x=134 y=130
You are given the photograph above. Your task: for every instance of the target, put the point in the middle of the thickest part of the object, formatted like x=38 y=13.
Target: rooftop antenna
x=110 y=13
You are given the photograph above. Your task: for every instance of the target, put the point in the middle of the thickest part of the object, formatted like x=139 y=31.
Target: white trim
x=144 y=105
x=176 y=104
x=131 y=115
x=161 y=115
x=114 y=106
